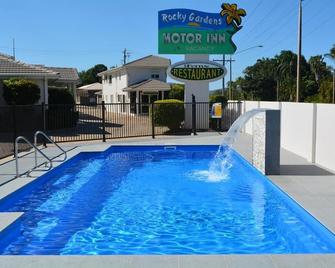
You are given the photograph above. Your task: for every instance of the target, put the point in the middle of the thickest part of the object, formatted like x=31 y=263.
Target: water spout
x=222 y=162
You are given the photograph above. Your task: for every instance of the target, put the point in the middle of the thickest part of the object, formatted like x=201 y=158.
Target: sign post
x=197 y=35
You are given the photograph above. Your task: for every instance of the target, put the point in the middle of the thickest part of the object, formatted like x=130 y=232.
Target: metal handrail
x=50 y=140
x=33 y=146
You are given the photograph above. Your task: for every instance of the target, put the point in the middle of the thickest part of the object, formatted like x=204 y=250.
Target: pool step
x=170 y=148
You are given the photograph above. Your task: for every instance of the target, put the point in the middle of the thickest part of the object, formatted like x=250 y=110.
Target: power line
x=323 y=23
x=319 y=11
x=274 y=29
x=253 y=11
x=264 y=17
x=292 y=13
x=290 y=37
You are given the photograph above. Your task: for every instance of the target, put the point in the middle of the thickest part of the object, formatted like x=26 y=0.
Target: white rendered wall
x=297 y=128
x=116 y=87
x=247 y=106
x=270 y=105
x=325 y=135
x=131 y=75
x=136 y=75
x=307 y=129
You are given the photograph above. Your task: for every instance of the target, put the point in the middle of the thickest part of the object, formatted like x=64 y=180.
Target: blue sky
x=82 y=33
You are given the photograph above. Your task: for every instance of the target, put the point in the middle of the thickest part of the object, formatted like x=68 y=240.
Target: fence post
x=103 y=121
x=14 y=127
x=194 y=116
x=43 y=122
x=152 y=121
x=222 y=110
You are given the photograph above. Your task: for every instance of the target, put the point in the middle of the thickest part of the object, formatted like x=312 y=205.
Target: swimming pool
x=156 y=200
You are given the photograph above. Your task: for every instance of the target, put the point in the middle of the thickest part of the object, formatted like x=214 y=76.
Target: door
x=146 y=100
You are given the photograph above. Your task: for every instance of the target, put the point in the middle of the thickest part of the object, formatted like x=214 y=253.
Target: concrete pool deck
x=311 y=186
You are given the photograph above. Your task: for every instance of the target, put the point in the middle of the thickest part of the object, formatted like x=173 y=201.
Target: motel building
x=135 y=85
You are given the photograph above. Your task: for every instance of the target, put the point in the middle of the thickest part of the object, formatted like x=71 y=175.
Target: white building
x=136 y=84
x=45 y=77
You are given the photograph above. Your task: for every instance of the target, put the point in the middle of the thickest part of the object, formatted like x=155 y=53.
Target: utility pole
x=126 y=56
x=14 y=48
x=230 y=78
x=230 y=70
x=299 y=51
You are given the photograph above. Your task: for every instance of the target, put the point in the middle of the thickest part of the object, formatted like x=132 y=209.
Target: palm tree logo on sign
x=188 y=31
x=233 y=14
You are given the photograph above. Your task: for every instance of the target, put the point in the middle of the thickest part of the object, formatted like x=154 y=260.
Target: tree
x=214 y=98
x=60 y=96
x=275 y=78
x=331 y=54
x=318 y=67
x=90 y=76
x=258 y=82
x=177 y=92
x=20 y=91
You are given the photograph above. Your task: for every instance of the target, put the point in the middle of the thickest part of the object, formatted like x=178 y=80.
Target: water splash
x=219 y=168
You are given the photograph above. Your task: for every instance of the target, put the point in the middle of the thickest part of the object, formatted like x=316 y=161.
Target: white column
x=200 y=90
x=74 y=92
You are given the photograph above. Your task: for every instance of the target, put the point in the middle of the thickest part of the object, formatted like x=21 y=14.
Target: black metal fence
x=68 y=123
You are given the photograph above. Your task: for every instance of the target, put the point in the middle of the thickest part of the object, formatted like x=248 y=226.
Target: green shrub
x=218 y=98
x=20 y=91
x=60 y=96
x=62 y=110
x=169 y=113
x=177 y=92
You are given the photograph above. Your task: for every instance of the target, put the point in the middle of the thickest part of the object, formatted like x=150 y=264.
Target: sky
x=82 y=33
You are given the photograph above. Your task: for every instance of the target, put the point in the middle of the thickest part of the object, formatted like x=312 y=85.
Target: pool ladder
x=36 y=149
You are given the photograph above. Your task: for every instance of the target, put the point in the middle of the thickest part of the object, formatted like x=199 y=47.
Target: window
x=155 y=74
x=110 y=79
x=111 y=98
x=119 y=75
x=119 y=98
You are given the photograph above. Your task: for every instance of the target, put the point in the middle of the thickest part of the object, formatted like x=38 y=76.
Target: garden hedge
x=169 y=113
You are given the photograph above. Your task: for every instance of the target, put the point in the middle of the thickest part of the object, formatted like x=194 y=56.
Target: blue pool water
x=147 y=200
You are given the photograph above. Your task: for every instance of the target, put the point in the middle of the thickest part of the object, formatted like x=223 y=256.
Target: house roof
x=11 y=67
x=149 y=85
x=150 y=61
x=66 y=74
x=93 y=87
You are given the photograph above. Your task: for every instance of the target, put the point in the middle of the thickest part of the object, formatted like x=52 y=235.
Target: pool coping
x=281 y=260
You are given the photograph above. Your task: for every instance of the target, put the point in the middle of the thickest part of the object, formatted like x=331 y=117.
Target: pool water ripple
x=152 y=202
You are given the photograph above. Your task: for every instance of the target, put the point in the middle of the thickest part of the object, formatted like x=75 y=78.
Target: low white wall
x=297 y=128
x=307 y=129
x=325 y=135
x=249 y=105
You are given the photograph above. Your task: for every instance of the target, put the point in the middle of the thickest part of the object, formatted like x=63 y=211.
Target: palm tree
x=286 y=66
x=317 y=66
x=331 y=56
